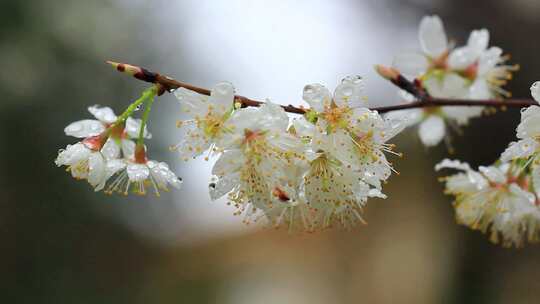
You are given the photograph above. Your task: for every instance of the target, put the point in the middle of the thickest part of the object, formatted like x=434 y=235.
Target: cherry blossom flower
x=350 y=132
x=473 y=71
x=528 y=131
x=496 y=199
x=88 y=160
x=119 y=139
x=344 y=146
x=257 y=152
x=208 y=115
x=138 y=173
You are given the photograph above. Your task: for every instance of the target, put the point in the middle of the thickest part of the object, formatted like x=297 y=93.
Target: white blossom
x=473 y=71
x=495 y=199
x=207 y=117
x=138 y=175
x=345 y=145
x=119 y=140
x=85 y=160
x=528 y=131
x=258 y=151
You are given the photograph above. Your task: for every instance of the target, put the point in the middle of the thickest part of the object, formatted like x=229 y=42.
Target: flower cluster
x=319 y=169
x=473 y=71
x=314 y=172
x=107 y=149
x=503 y=198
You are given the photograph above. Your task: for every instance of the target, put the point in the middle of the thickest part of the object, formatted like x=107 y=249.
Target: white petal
x=163 y=175
x=432 y=130
x=222 y=97
x=480 y=89
x=535 y=91
x=452 y=164
x=96 y=169
x=393 y=127
x=489 y=59
x=451 y=86
x=303 y=127
x=520 y=149
x=478 y=40
x=432 y=36
x=103 y=114
x=411 y=64
x=72 y=155
x=192 y=102
x=84 y=128
x=137 y=172
x=229 y=162
x=350 y=92
x=111 y=168
x=111 y=150
x=461 y=58
x=376 y=193
x=133 y=127
x=493 y=174
x=409 y=117
x=462 y=114
x=223 y=186
x=128 y=148
x=317 y=96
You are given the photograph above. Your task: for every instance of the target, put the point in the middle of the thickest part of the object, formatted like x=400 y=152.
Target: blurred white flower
x=473 y=71
x=495 y=198
x=208 y=115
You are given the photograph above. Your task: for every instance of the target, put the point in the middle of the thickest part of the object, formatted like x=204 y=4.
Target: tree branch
x=423 y=99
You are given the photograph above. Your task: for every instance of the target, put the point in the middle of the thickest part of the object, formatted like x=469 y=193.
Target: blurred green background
x=63 y=243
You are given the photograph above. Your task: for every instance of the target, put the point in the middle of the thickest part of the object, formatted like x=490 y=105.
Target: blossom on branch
x=473 y=71
x=497 y=199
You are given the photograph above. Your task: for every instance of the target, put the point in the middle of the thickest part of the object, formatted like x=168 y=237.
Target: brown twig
x=423 y=99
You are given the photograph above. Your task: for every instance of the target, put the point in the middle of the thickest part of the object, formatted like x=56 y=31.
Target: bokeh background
x=63 y=243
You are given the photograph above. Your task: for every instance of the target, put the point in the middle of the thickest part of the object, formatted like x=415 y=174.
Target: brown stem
x=423 y=99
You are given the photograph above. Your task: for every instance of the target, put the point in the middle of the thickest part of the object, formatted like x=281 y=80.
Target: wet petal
x=111 y=168
x=103 y=114
x=520 y=149
x=317 y=96
x=72 y=155
x=111 y=150
x=222 y=97
x=192 y=102
x=223 y=186
x=229 y=162
x=128 y=148
x=133 y=127
x=137 y=172
x=493 y=174
x=84 y=128
x=350 y=92
x=96 y=169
